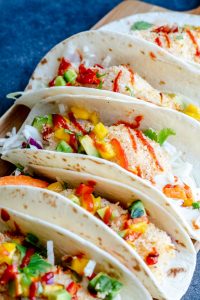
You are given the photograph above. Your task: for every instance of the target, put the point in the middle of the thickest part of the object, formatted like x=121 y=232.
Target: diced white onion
x=62 y=109
x=31 y=132
x=50 y=253
x=89 y=269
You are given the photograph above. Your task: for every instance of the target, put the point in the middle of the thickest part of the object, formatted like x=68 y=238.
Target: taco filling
x=131 y=223
x=181 y=41
x=26 y=271
x=121 y=79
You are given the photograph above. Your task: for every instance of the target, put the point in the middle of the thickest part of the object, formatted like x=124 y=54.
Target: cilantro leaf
x=159 y=137
x=37 y=265
x=22 y=250
x=34 y=241
x=164 y=134
x=98 y=75
x=141 y=25
x=150 y=133
x=100 y=85
x=128 y=89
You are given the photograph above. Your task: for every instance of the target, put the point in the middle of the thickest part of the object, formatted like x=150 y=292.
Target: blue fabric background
x=29 y=28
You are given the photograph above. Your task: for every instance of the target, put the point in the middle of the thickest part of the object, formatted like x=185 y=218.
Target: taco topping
x=146 y=153
x=181 y=41
x=26 y=272
x=120 y=79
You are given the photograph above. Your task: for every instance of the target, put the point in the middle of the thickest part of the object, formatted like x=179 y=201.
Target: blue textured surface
x=29 y=28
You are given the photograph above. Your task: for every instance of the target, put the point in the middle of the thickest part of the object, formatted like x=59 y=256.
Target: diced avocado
x=15 y=287
x=59 y=295
x=70 y=76
x=88 y=145
x=137 y=209
x=101 y=212
x=102 y=283
x=39 y=122
x=74 y=198
x=59 y=81
x=64 y=147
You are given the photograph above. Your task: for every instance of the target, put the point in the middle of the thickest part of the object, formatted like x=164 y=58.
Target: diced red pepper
x=64 y=65
x=97 y=65
x=87 y=76
x=88 y=202
x=158 y=41
x=166 y=29
x=73 y=288
x=46 y=277
x=73 y=142
x=107 y=215
x=120 y=154
x=152 y=258
x=8 y=275
x=46 y=131
x=33 y=290
x=59 y=121
x=83 y=189
x=52 y=82
x=27 y=257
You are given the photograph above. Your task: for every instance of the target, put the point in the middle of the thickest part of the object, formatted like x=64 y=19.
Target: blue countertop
x=29 y=28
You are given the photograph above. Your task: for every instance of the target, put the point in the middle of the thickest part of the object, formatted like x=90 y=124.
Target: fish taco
x=78 y=270
x=124 y=222
x=128 y=142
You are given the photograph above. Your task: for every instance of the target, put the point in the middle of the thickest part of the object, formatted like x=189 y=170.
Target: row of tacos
x=107 y=169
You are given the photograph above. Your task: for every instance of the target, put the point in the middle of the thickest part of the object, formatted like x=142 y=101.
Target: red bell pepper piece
x=75 y=123
x=107 y=216
x=87 y=76
x=64 y=65
x=52 y=82
x=46 y=277
x=33 y=290
x=83 y=189
x=27 y=257
x=120 y=154
x=8 y=275
x=152 y=258
x=59 y=121
x=73 y=288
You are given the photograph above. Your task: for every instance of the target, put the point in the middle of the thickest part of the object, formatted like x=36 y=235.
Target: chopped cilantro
x=129 y=90
x=141 y=25
x=37 y=265
x=100 y=85
x=98 y=75
x=33 y=240
x=161 y=136
x=196 y=205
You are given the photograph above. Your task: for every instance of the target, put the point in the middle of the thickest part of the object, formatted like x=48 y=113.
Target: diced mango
x=56 y=187
x=50 y=288
x=105 y=149
x=80 y=113
x=94 y=118
x=179 y=192
x=6 y=252
x=100 y=130
x=193 y=111
x=78 y=265
x=61 y=134
x=139 y=227
x=97 y=203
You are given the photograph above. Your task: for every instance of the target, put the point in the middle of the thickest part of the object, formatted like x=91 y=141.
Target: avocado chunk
x=59 y=295
x=105 y=285
x=136 y=209
x=88 y=145
x=64 y=147
x=39 y=122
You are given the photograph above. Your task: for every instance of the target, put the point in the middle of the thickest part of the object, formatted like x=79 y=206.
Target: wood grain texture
x=130 y=7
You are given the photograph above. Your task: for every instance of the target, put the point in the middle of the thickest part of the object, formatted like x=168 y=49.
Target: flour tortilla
x=157 y=18
x=57 y=209
x=164 y=72
x=66 y=242
x=111 y=112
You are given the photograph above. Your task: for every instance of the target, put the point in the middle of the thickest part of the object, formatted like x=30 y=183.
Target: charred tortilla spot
x=75 y=210
x=195 y=226
x=174 y=271
x=166 y=203
x=59 y=59
x=137 y=268
x=180 y=243
x=25 y=206
x=162 y=82
x=130 y=45
x=110 y=49
x=29 y=87
x=43 y=61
